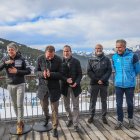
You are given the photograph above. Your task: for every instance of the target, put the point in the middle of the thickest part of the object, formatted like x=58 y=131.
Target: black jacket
x=20 y=64
x=51 y=84
x=71 y=69
x=99 y=68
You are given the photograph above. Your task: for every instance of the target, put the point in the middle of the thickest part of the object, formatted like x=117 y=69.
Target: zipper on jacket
x=122 y=71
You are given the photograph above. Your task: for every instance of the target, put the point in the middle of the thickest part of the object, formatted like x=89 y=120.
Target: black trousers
x=95 y=90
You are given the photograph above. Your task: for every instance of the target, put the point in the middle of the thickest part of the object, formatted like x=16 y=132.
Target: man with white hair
x=16 y=68
x=99 y=70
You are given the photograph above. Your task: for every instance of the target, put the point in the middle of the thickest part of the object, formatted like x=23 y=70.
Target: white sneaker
x=131 y=123
x=118 y=125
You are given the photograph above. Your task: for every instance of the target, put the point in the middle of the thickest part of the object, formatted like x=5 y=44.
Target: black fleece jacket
x=20 y=64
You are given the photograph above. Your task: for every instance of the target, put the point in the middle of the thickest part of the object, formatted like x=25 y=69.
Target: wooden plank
x=103 y=130
x=6 y=135
x=45 y=136
x=88 y=130
x=135 y=130
x=131 y=132
x=126 y=129
x=66 y=131
x=14 y=137
x=137 y=114
x=18 y=137
x=120 y=132
x=22 y=137
x=37 y=136
x=112 y=132
x=30 y=135
x=111 y=126
x=51 y=137
x=2 y=130
x=60 y=133
x=74 y=134
x=96 y=131
x=83 y=133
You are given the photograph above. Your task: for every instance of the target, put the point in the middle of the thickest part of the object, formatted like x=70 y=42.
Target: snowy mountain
x=31 y=54
x=106 y=51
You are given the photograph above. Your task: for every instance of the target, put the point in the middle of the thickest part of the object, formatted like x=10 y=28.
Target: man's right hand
x=100 y=82
x=46 y=73
x=9 y=62
x=69 y=80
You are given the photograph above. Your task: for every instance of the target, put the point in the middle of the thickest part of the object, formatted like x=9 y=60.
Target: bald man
x=99 y=70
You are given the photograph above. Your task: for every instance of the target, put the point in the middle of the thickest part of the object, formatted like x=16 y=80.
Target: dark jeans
x=129 y=93
x=95 y=89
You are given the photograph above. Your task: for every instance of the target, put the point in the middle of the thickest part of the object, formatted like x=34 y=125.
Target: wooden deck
x=94 y=131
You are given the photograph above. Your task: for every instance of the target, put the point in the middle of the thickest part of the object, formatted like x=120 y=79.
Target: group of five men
x=51 y=69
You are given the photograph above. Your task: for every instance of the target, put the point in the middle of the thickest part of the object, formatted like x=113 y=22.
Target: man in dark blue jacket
x=99 y=70
x=16 y=68
x=126 y=65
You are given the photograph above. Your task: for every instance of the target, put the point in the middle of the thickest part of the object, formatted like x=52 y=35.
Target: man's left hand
x=100 y=82
x=74 y=85
x=12 y=70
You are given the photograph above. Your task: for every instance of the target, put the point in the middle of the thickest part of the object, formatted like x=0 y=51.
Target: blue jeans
x=129 y=93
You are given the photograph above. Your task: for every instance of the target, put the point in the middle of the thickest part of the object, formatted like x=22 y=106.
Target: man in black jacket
x=71 y=69
x=99 y=70
x=16 y=68
x=48 y=69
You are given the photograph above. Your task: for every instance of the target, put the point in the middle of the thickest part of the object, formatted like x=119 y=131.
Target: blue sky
x=81 y=24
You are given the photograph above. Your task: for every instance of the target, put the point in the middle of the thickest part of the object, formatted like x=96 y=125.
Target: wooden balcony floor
x=94 y=131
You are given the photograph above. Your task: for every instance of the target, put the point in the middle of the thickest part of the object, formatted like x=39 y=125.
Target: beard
x=98 y=53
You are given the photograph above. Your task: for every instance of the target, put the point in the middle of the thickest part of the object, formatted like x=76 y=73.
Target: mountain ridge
x=31 y=54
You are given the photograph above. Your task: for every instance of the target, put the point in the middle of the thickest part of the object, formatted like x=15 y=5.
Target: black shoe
x=69 y=123
x=46 y=121
x=118 y=125
x=76 y=128
x=55 y=133
x=104 y=120
x=90 y=120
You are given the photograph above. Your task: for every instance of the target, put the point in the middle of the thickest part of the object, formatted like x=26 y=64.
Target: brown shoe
x=20 y=126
